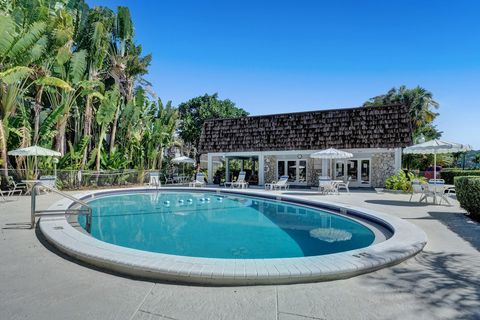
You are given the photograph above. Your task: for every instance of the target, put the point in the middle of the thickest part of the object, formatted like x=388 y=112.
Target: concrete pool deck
x=442 y=282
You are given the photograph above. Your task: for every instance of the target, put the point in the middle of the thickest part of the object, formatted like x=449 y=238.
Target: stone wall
x=271 y=173
x=383 y=166
x=314 y=171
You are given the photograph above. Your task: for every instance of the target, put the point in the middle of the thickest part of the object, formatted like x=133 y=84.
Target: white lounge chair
x=199 y=181
x=240 y=183
x=282 y=183
x=154 y=180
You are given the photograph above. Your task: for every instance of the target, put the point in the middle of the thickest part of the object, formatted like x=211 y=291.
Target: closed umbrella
x=436 y=147
x=34 y=151
x=331 y=154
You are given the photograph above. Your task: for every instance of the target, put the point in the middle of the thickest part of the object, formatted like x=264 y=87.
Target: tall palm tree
x=127 y=63
x=419 y=101
x=96 y=41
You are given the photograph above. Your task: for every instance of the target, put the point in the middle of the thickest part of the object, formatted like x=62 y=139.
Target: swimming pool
x=230 y=237
x=217 y=225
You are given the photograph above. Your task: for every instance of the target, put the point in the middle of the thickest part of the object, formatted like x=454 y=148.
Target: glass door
x=352 y=171
x=359 y=172
x=292 y=171
x=280 y=169
x=302 y=171
x=339 y=170
x=296 y=170
x=365 y=172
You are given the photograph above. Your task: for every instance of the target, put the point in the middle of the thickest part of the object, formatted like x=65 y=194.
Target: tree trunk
x=60 y=138
x=87 y=129
x=3 y=150
x=114 y=130
x=160 y=159
x=37 y=109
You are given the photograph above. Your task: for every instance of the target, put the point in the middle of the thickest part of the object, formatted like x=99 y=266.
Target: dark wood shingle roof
x=365 y=127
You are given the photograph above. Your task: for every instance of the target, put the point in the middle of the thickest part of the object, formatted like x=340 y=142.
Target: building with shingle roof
x=281 y=144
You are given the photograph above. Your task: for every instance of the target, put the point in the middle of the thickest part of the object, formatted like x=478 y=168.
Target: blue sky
x=286 y=56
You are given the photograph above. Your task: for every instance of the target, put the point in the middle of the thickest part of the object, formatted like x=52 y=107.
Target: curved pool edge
x=406 y=241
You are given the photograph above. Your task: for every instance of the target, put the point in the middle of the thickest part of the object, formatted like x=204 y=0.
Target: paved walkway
x=443 y=282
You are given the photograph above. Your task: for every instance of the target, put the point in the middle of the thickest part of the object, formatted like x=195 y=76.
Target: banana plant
x=105 y=115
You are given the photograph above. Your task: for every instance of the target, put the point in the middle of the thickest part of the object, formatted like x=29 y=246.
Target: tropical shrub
x=468 y=194
x=402 y=181
x=449 y=174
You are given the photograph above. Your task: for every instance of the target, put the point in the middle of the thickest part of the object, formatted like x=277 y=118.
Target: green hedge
x=468 y=194
x=449 y=174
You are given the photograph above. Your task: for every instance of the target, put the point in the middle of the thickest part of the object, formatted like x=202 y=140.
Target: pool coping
x=406 y=241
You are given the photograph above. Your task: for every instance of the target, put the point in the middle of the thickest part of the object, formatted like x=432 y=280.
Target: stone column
x=398 y=159
x=210 y=168
x=261 y=171
x=227 y=170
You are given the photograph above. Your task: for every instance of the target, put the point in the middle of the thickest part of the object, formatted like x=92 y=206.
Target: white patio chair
x=5 y=195
x=418 y=188
x=14 y=186
x=282 y=183
x=240 y=183
x=344 y=185
x=437 y=188
x=49 y=182
x=199 y=181
x=154 y=180
x=436 y=181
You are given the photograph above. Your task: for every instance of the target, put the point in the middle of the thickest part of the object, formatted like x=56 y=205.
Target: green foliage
x=402 y=181
x=196 y=111
x=477 y=159
x=420 y=103
x=468 y=194
x=53 y=82
x=449 y=174
x=71 y=79
x=423 y=161
x=13 y=75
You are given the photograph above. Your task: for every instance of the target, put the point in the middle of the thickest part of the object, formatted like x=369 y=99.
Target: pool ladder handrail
x=84 y=210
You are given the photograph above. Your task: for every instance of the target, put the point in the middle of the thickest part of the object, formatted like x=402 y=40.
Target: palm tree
x=419 y=101
x=19 y=47
x=127 y=64
x=57 y=59
x=96 y=40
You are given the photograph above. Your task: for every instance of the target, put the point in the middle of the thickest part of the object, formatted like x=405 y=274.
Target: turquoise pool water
x=221 y=226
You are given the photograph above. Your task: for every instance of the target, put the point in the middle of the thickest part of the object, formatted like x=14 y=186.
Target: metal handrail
x=87 y=211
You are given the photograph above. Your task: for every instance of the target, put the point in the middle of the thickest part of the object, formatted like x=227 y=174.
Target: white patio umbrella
x=331 y=154
x=183 y=160
x=34 y=151
x=436 y=147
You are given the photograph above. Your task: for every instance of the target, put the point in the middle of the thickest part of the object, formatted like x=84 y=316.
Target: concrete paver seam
x=142 y=302
x=302 y=316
